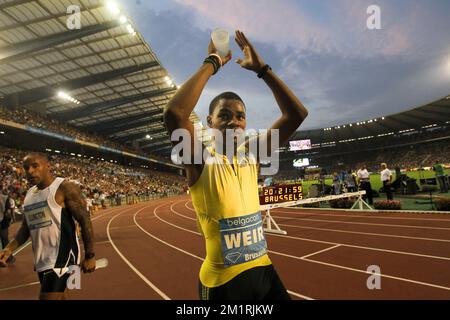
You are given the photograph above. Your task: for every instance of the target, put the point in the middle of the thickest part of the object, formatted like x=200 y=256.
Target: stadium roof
x=102 y=77
x=431 y=115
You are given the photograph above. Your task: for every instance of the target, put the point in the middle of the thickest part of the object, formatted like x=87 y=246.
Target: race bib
x=242 y=239
x=38 y=215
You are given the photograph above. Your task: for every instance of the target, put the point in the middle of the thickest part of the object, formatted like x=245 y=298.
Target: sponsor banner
x=50 y=134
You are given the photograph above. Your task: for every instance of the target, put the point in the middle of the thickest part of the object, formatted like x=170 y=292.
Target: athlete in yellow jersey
x=224 y=188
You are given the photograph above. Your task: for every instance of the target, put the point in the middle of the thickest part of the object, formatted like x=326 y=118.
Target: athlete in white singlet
x=51 y=208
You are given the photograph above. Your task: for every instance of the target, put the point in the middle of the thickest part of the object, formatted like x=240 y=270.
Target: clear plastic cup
x=221 y=40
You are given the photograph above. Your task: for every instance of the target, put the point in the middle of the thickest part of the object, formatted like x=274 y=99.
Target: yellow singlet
x=227 y=205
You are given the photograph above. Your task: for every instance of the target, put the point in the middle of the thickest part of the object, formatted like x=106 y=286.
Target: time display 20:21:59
x=281 y=193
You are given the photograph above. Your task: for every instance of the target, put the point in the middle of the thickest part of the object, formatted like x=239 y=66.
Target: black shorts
x=260 y=283
x=50 y=282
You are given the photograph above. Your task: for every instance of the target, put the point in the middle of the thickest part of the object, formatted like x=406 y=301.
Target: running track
x=155 y=252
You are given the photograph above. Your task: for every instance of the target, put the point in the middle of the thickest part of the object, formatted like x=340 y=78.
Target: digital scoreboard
x=281 y=193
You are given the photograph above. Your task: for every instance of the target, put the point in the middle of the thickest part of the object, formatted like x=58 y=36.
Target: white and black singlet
x=52 y=230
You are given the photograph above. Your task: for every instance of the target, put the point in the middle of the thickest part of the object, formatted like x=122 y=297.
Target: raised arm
x=180 y=107
x=185 y=99
x=292 y=110
x=76 y=205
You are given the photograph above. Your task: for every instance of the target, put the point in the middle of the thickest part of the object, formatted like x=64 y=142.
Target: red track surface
x=155 y=252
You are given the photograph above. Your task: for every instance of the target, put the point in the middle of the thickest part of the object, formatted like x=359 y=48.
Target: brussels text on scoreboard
x=281 y=193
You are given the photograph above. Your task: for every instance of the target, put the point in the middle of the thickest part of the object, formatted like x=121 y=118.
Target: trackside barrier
x=269 y=220
x=132 y=199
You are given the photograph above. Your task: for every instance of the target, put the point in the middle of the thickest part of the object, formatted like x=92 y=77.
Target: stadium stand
x=95 y=177
x=409 y=158
x=38 y=121
x=409 y=140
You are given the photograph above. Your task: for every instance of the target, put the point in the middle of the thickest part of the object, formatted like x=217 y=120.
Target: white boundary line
x=317 y=252
x=365 y=223
x=102 y=242
x=124 y=227
x=20 y=286
x=358 y=270
x=132 y=267
x=173 y=225
x=365 y=233
x=192 y=255
x=299 y=295
x=364 y=248
x=374 y=210
x=279 y=209
x=192 y=209
x=162 y=241
x=382 y=275
x=356 y=246
x=179 y=214
x=349 y=215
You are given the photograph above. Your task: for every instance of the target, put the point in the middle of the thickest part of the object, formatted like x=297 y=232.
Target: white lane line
x=290 y=292
x=197 y=257
x=358 y=270
x=104 y=214
x=317 y=252
x=147 y=218
x=179 y=214
x=102 y=242
x=382 y=275
x=299 y=295
x=364 y=233
x=124 y=227
x=182 y=215
x=362 y=247
x=162 y=241
x=189 y=208
x=362 y=223
x=374 y=211
x=26 y=244
x=175 y=226
x=347 y=245
x=20 y=286
x=353 y=216
x=148 y=282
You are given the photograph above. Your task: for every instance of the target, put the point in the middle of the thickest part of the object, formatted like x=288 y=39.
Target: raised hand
x=212 y=49
x=251 y=61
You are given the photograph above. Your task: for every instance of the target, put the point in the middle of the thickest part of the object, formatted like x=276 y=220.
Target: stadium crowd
x=100 y=181
x=412 y=157
x=406 y=158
